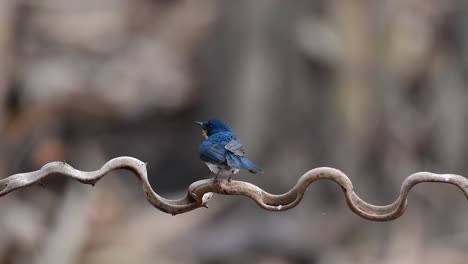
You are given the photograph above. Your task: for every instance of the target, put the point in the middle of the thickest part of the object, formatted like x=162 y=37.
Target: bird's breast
x=213 y=167
x=205 y=134
x=221 y=171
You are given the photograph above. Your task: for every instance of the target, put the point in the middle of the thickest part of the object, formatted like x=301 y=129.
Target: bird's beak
x=202 y=124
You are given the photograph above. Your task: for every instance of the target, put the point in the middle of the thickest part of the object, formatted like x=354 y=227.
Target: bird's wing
x=235 y=147
x=240 y=162
x=212 y=152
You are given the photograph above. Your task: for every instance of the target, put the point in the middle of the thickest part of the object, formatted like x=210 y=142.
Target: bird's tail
x=238 y=162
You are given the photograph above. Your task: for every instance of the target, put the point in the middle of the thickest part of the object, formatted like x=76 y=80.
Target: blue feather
x=222 y=150
x=241 y=162
x=212 y=152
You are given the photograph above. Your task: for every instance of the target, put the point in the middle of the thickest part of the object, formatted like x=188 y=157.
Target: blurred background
x=377 y=89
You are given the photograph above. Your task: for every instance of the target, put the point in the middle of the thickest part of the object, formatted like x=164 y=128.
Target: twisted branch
x=201 y=191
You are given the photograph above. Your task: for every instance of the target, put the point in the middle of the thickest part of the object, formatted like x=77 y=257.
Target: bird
x=222 y=151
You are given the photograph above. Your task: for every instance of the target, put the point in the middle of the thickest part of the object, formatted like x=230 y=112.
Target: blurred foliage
x=376 y=89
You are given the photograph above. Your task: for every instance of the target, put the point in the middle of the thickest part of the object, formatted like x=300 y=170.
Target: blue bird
x=222 y=151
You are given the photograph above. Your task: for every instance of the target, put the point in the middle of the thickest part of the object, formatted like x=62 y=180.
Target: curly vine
x=200 y=192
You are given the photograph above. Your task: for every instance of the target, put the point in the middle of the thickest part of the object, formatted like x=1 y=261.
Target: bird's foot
x=216 y=177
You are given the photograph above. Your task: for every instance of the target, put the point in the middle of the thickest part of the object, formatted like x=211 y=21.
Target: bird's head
x=212 y=127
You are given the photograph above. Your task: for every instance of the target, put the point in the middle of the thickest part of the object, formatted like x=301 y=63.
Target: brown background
x=377 y=89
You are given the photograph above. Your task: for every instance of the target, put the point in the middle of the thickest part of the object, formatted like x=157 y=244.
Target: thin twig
x=201 y=191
